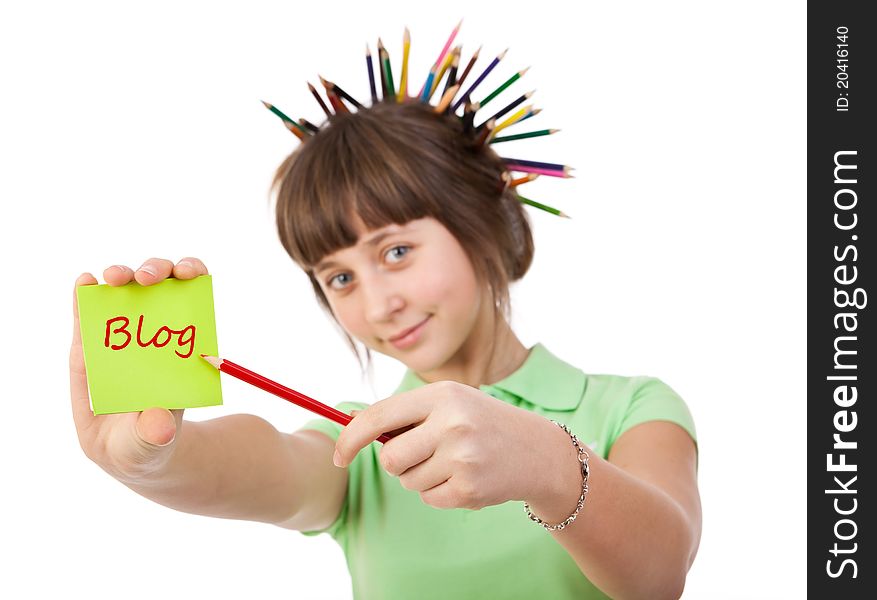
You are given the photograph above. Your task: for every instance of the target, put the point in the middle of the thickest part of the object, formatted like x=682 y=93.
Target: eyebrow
x=372 y=241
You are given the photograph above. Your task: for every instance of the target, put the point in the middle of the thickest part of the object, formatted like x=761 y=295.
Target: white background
x=131 y=132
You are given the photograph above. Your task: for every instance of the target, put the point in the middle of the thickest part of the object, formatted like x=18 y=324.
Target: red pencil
x=261 y=382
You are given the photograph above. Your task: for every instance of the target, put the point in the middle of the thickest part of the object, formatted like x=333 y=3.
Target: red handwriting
x=167 y=331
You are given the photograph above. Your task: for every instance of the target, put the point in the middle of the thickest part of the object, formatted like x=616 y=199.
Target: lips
x=402 y=334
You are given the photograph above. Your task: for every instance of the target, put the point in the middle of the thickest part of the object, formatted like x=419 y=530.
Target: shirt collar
x=543 y=380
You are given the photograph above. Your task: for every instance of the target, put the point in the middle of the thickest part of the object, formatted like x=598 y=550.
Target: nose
x=381 y=298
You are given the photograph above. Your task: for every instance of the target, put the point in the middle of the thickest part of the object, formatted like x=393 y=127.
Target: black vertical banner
x=841 y=369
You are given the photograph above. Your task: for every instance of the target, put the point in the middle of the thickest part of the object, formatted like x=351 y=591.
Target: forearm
x=234 y=467
x=630 y=539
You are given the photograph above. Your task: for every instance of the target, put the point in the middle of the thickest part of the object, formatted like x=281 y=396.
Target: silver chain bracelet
x=583 y=459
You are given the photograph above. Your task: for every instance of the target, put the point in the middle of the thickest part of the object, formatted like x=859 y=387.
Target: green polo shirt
x=398 y=547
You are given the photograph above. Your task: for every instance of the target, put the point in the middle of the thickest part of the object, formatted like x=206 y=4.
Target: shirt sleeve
x=333 y=430
x=654 y=400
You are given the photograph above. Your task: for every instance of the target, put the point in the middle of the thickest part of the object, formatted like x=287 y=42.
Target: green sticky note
x=143 y=345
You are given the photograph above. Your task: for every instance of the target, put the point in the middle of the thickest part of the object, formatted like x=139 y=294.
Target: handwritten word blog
x=165 y=331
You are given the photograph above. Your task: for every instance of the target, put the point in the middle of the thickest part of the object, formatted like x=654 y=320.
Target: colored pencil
x=446 y=99
x=544 y=207
x=320 y=100
x=484 y=74
x=424 y=95
x=540 y=170
x=381 y=67
x=384 y=56
x=521 y=136
x=296 y=127
x=485 y=131
x=441 y=72
x=444 y=51
x=336 y=103
x=469 y=67
x=520 y=99
x=507 y=83
x=518 y=116
x=291 y=126
x=263 y=383
x=371 y=74
x=525 y=179
x=469 y=115
x=335 y=88
x=452 y=76
x=533 y=163
x=309 y=126
x=403 y=78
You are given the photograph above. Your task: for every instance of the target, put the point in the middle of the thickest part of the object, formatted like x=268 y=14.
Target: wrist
x=558 y=475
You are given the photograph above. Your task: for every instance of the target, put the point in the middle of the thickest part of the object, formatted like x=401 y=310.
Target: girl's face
x=407 y=291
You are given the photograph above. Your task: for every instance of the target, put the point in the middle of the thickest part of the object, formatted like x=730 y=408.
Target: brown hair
x=393 y=163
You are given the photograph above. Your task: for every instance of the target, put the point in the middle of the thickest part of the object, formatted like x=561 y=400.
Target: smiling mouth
x=399 y=336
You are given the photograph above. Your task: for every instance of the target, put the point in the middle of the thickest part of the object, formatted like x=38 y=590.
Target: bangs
x=348 y=176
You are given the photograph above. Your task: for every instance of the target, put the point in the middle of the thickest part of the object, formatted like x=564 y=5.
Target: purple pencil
x=480 y=78
x=371 y=74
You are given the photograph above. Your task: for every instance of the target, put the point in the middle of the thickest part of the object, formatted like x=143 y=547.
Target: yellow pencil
x=403 y=84
x=511 y=120
x=449 y=58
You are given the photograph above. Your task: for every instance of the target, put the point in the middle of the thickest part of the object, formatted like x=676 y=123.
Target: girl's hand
x=459 y=447
x=129 y=446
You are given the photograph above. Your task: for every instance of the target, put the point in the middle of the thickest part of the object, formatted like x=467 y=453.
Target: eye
x=396 y=253
x=331 y=282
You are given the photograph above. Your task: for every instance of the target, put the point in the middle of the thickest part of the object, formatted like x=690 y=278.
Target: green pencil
x=521 y=136
x=508 y=82
x=538 y=205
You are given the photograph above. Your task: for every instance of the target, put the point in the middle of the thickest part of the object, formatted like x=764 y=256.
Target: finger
x=396 y=412
x=118 y=275
x=189 y=268
x=153 y=271
x=426 y=475
x=404 y=453
x=82 y=414
x=156 y=426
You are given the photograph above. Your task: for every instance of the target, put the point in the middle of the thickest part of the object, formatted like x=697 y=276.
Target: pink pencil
x=443 y=52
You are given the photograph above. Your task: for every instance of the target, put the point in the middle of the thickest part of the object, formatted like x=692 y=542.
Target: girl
x=401 y=221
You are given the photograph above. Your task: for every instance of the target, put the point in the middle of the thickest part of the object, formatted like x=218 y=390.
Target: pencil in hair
x=336 y=102
x=381 y=68
x=525 y=179
x=403 y=78
x=520 y=99
x=481 y=77
x=485 y=131
x=521 y=136
x=292 y=127
x=441 y=73
x=446 y=98
x=296 y=128
x=452 y=75
x=469 y=67
x=309 y=126
x=320 y=100
x=337 y=89
x=388 y=70
x=424 y=95
x=516 y=117
x=444 y=51
x=544 y=207
x=371 y=74
x=469 y=115
x=507 y=83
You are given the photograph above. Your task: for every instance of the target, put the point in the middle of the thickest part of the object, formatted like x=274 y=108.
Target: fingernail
x=120 y=268
x=147 y=269
x=337 y=459
x=186 y=263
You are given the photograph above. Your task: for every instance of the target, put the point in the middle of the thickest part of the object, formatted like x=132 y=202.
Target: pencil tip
x=265 y=103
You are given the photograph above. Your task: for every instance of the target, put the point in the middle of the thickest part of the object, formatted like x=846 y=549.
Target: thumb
x=156 y=426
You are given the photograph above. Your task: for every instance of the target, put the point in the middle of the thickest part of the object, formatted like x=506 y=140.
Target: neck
x=484 y=358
